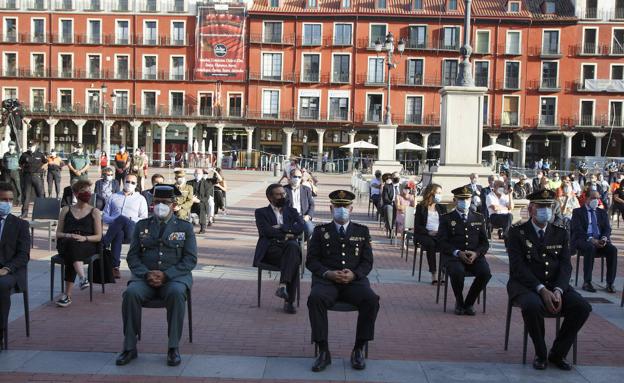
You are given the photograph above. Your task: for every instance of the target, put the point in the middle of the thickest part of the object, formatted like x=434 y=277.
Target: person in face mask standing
x=32 y=163
x=162 y=255
x=122 y=164
x=340 y=258
x=463 y=243
x=200 y=200
x=300 y=198
x=10 y=172
x=184 y=202
x=138 y=165
x=389 y=195
x=54 y=173
x=539 y=275
x=78 y=164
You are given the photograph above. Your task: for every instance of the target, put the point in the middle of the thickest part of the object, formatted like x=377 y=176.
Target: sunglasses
x=131 y=182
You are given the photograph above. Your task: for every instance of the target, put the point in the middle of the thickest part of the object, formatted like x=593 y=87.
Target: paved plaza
x=235 y=341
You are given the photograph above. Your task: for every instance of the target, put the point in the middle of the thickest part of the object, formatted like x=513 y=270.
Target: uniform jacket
x=533 y=262
x=421 y=215
x=174 y=252
x=580 y=221
x=185 y=201
x=32 y=162
x=15 y=248
x=307 y=201
x=387 y=194
x=327 y=251
x=10 y=161
x=455 y=234
x=265 y=220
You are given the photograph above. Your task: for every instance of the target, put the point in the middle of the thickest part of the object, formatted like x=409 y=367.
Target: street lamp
x=508 y=142
x=304 y=139
x=388 y=47
x=583 y=142
x=464 y=74
x=546 y=142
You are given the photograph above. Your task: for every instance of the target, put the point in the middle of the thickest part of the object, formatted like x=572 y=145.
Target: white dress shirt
x=132 y=206
x=502 y=201
x=296 y=196
x=346 y=226
x=433 y=221
x=278 y=215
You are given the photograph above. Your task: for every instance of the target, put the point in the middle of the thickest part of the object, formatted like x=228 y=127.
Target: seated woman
x=405 y=199
x=426 y=220
x=78 y=234
x=567 y=199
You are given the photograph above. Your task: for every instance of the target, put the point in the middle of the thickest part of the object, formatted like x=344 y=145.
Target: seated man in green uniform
x=162 y=254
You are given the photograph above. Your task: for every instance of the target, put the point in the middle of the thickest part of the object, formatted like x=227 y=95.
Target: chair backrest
x=409 y=217
x=46 y=208
x=364 y=187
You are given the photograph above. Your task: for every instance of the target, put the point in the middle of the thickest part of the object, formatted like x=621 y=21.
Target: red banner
x=221 y=47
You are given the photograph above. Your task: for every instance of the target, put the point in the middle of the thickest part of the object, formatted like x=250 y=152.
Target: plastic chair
x=442 y=269
x=44 y=216
x=578 y=261
x=17 y=290
x=265 y=266
x=58 y=260
x=160 y=304
x=342 y=307
x=408 y=230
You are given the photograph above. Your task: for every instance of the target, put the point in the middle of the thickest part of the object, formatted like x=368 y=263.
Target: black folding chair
x=270 y=268
x=442 y=269
x=578 y=262
x=342 y=307
x=58 y=260
x=44 y=216
x=17 y=290
x=160 y=304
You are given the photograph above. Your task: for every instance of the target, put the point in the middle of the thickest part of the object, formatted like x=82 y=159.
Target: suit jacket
x=15 y=248
x=306 y=199
x=327 y=251
x=98 y=187
x=421 y=215
x=265 y=220
x=455 y=234
x=484 y=193
x=533 y=262
x=476 y=194
x=580 y=222
x=387 y=194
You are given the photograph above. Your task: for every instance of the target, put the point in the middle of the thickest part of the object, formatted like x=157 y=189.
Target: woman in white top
x=567 y=198
x=426 y=220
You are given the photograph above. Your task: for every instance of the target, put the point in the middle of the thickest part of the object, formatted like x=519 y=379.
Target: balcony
x=585 y=120
x=257 y=38
x=418 y=81
x=371 y=80
x=313 y=78
x=9 y=71
x=64 y=5
x=618 y=14
x=306 y=114
x=504 y=50
x=599 y=85
x=264 y=115
x=547 y=85
x=510 y=83
x=121 y=6
x=546 y=52
x=617 y=49
x=590 y=49
x=547 y=121
x=591 y=13
x=10 y=37
x=93 y=6
x=175 y=6
x=285 y=77
x=337 y=42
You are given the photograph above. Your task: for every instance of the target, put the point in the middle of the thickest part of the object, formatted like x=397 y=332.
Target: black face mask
x=396 y=180
x=280 y=202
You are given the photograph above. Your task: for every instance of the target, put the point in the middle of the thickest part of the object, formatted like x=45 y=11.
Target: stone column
x=249 y=130
x=52 y=135
x=80 y=125
x=319 y=156
x=289 y=132
x=598 y=147
x=136 y=125
x=189 y=140
x=523 y=140
x=24 y=139
x=425 y=144
x=107 y=139
x=219 y=143
x=352 y=150
x=163 y=141
x=568 y=148
x=493 y=138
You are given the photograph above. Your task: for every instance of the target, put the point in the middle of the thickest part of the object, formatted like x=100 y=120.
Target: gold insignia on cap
x=465 y=190
x=545 y=194
x=342 y=194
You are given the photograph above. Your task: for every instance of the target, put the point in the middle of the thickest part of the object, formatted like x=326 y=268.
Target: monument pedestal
x=386 y=152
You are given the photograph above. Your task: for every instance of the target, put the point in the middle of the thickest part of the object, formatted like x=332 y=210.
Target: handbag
x=105 y=262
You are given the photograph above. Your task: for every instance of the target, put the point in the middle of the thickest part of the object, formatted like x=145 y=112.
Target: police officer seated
x=340 y=258
x=539 y=275
x=279 y=226
x=162 y=254
x=463 y=243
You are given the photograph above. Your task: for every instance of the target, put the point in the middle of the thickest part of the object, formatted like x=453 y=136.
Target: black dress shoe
x=281 y=292
x=125 y=357
x=323 y=360
x=469 y=310
x=540 y=363
x=587 y=286
x=289 y=308
x=173 y=357
x=561 y=363
x=459 y=309
x=358 y=361
x=610 y=289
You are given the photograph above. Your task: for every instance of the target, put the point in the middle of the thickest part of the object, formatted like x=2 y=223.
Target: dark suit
x=200 y=190
x=456 y=234
x=388 y=196
x=14 y=254
x=328 y=251
x=534 y=262
x=476 y=194
x=421 y=235
x=100 y=201
x=306 y=205
x=579 y=239
x=273 y=247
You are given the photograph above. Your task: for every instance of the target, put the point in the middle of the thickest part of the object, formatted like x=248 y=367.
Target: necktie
x=540 y=233
x=341 y=232
x=464 y=217
x=594 y=224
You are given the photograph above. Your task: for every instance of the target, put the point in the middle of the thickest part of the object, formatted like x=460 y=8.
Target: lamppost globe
x=234 y=136
x=304 y=139
x=378 y=46
x=401 y=45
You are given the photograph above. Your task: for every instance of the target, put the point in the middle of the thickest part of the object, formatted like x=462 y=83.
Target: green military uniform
x=170 y=247
x=185 y=200
x=10 y=174
x=137 y=169
x=78 y=161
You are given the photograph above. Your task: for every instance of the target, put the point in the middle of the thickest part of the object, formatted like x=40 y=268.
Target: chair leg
x=578 y=257
x=259 y=284
x=298 y=291
x=484 y=298
x=403 y=245
x=189 y=308
x=52 y=281
x=63 y=279
x=438 y=287
x=507 y=324
x=414 y=262
x=446 y=282
x=90 y=273
x=422 y=254
x=602 y=263
x=406 y=249
x=525 y=340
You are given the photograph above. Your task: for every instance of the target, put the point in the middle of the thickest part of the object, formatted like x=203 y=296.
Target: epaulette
x=448 y=212
x=477 y=213
x=559 y=225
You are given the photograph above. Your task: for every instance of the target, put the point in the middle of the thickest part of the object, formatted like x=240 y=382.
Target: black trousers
x=429 y=244
x=203 y=212
x=13 y=177
x=456 y=270
x=502 y=221
x=575 y=310
x=33 y=187
x=390 y=213
x=589 y=252
x=325 y=293
x=286 y=256
x=6 y=284
x=54 y=178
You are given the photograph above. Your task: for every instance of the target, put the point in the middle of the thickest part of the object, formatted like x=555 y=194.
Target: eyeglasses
x=131 y=182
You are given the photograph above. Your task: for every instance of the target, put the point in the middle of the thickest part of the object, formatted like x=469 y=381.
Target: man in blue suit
x=278 y=228
x=590 y=233
x=300 y=198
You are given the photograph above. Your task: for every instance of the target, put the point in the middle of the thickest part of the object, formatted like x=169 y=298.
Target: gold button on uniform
x=343 y=245
x=343 y=254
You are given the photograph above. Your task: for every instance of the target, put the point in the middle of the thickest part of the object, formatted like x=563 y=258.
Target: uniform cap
x=165 y=191
x=341 y=197
x=12 y=143
x=180 y=173
x=32 y=142
x=462 y=192
x=542 y=197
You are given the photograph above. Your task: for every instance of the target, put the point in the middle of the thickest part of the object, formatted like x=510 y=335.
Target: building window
x=177 y=103
x=271 y=66
x=177 y=68
x=590 y=39
x=311 y=34
x=10 y=30
x=274 y=3
x=588 y=72
x=377 y=33
x=149 y=103
x=270 y=104
x=309 y=108
x=486 y=106
x=121 y=102
x=38 y=31
x=38 y=64
x=512 y=75
x=549 y=74
x=94 y=5
x=549 y=6
x=340 y=71
x=417 y=37
x=178 y=6
x=617 y=72
x=10 y=64
x=483 y=42
x=551 y=43
x=345 y=4
x=93 y=101
x=342 y=34
x=272 y=32
x=415 y=71
x=375 y=70
x=587 y=113
x=548 y=111
x=312 y=3
x=514 y=6
x=65 y=5
x=151 y=6
x=150 y=33
x=510 y=111
x=619 y=10
x=452 y=5
x=449 y=72
x=513 y=43
x=381 y=4
x=482 y=73
x=38 y=100
x=122 y=67
x=67 y=66
x=311 y=69
x=122 y=32
x=615 y=113
x=177 y=30
x=95 y=32
x=413 y=110
x=450 y=38
x=373 y=113
x=591 y=9
x=417 y=5
x=65 y=100
x=339 y=108
x=205 y=104
x=94 y=66
x=235 y=105
x=10 y=93
x=67 y=31
x=122 y=5
x=618 y=42
x=149 y=67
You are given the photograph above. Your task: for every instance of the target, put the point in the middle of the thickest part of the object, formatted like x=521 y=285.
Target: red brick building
x=553 y=69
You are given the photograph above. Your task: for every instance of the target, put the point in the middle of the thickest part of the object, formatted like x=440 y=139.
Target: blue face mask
x=463 y=205
x=341 y=215
x=5 y=208
x=437 y=198
x=543 y=215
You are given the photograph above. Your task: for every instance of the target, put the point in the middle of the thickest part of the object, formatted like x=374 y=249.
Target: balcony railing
x=547 y=120
x=590 y=13
x=64 y=5
x=503 y=49
x=426 y=82
x=306 y=114
x=590 y=49
x=586 y=120
x=546 y=51
x=510 y=83
x=285 y=77
x=618 y=13
x=618 y=49
x=258 y=38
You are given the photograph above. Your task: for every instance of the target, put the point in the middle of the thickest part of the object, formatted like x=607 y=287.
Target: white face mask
x=206 y=176
x=161 y=210
x=129 y=188
x=198 y=177
x=109 y=178
x=53 y=154
x=33 y=148
x=501 y=190
x=122 y=150
x=11 y=148
x=78 y=151
x=295 y=181
x=180 y=180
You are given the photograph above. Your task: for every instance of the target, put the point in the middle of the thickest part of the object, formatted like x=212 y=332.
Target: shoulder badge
x=453 y=223
x=326 y=236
